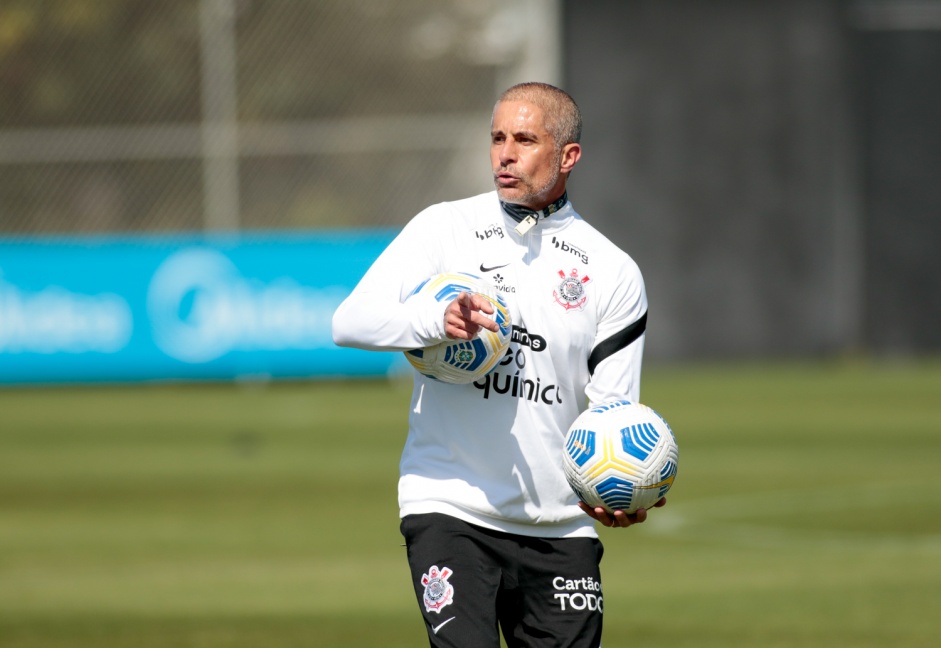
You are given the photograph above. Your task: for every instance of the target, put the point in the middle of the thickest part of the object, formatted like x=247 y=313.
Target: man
x=496 y=538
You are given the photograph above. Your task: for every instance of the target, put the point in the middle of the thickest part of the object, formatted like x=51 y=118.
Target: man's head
x=534 y=143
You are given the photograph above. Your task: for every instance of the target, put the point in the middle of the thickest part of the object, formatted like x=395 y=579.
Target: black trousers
x=471 y=583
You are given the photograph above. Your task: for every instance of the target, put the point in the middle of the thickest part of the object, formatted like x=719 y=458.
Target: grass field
x=806 y=512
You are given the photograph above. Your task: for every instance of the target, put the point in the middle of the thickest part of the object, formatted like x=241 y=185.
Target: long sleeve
x=376 y=315
x=615 y=362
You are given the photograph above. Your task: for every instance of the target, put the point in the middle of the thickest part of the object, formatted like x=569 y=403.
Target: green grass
x=807 y=512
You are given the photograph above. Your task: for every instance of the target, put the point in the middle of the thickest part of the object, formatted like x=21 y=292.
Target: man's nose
x=507 y=152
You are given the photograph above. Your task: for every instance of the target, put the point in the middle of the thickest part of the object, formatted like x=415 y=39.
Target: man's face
x=523 y=156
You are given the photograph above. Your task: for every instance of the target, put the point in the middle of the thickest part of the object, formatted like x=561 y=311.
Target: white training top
x=490 y=453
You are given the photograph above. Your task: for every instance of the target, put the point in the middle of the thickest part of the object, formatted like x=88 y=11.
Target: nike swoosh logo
x=496 y=267
x=441 y=625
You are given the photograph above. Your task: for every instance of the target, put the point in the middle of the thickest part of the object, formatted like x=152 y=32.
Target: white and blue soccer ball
x=620 y=455
x=462 y=361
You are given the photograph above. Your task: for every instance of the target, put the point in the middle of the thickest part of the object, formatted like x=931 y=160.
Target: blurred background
x=188 y=189
x=771 y=165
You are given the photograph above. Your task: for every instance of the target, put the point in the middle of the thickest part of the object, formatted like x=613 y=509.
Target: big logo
x=489 y=232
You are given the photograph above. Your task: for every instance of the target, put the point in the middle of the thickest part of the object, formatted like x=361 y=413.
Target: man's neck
x=527 y=217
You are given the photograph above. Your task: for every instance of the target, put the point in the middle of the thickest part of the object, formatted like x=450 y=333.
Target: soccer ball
x=462 y=361
x=620 y=455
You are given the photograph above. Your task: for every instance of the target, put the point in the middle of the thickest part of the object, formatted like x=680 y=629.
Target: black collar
x=520 y=213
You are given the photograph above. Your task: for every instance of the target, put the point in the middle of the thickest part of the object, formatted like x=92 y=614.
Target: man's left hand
x=618 y=518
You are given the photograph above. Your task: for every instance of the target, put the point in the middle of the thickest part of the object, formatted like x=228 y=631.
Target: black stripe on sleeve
x=616 y=342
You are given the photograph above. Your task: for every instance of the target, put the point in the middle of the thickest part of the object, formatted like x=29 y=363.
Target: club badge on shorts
x=570 y=294
x=438 y=591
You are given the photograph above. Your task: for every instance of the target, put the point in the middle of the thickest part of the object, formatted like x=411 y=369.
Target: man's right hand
x=465 y=316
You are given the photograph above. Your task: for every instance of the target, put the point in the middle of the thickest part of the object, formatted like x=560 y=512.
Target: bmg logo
x=568 y=247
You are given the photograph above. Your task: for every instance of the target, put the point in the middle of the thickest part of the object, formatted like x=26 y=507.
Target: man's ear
x=571 y=154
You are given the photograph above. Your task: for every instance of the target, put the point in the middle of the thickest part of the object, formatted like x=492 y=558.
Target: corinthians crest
x=570 y=294
x=438 y=591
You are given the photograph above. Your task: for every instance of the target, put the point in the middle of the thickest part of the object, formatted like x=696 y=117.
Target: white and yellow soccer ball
x=620 y=456
x=462 y=361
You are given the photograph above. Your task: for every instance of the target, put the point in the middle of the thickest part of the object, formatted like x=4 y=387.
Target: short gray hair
x=563 y=118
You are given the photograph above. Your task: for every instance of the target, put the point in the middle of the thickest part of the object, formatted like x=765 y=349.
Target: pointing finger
x=472 y=305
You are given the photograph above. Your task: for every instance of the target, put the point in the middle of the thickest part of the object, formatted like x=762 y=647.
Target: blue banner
x=173 y=308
